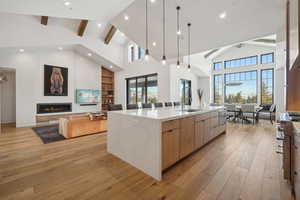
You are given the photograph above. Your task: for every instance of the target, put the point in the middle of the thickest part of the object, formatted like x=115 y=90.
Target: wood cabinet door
x=170 y=147
x=207 y=132
x=187 y=136
x=297 y=166
x=199 y=133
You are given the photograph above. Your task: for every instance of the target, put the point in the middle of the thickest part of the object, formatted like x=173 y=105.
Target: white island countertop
x=165 y=114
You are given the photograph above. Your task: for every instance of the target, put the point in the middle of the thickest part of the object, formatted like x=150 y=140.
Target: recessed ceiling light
x=21 y=50
x=122 y=34
x=111 y=66
x=126 y=17
x=152 y=1
x=89 y=54
x=178 y=32
x=154 y=44
x=223 y=15
x=99 y=25
x=67 y=3
x=60 y=48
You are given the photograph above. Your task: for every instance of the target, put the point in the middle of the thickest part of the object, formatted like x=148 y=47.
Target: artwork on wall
x=55 y=81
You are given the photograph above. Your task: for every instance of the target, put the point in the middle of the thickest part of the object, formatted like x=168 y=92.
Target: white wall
x=183 y=73
x=83 y=74
x=204 y=84
x=8 y=98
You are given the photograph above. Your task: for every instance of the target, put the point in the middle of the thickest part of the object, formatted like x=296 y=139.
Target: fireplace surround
x=45 y=108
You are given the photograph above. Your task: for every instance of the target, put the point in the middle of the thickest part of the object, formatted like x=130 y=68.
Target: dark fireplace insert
x=43 y=108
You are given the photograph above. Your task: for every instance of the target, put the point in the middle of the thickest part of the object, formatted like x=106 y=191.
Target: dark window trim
x=242 y=72
x=273 y=59
x=136 y=86
x=272 y=84
x=214 y=85
x=217 y=63
x=240 y=59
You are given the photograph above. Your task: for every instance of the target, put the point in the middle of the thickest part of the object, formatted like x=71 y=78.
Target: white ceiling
x=246 y=20
x=78 y=9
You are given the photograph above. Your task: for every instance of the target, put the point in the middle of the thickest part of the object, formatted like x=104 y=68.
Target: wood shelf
x=107 y=80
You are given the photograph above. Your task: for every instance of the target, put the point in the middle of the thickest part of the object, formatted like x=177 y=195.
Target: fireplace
x=43 y=108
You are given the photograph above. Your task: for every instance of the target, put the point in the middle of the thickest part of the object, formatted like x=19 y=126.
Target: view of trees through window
x=142 y=89
x=267 y=86
x=218 y=89
x=241 y=87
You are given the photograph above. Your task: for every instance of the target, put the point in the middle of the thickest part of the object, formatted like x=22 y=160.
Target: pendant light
x=147 y=39
x=178 y=34
x=189 y=46
x=163 y=61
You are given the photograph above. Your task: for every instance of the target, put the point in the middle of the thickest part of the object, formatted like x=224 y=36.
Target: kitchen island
x=153 y=140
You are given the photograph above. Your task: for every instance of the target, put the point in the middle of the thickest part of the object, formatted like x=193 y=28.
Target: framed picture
x=55 y=81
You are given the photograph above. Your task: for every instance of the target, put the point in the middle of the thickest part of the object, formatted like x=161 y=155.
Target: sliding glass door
x=142 y=89
x=186 y=91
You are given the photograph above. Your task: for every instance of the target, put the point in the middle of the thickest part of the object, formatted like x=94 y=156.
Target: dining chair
x=168 y=104
x=158 y=105
x=272 y=112
x=176 y=103
x=132 y=106
x=230 y=111
x=248 y=111
x=147 y=105
x=114 y=107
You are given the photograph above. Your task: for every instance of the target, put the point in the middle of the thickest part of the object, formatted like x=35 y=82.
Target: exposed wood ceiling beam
x=82 y=27
x=44 y=20
x=110 y=34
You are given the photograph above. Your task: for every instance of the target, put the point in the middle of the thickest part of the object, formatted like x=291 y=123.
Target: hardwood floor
x=241 y=165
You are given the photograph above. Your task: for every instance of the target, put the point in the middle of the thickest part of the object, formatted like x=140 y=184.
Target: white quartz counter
x=165 y=114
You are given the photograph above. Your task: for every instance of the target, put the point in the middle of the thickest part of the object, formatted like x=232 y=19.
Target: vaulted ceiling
x=245 y=20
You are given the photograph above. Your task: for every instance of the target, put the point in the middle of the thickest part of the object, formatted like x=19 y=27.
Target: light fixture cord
x=189 y=47
x=178 y=8
x=146 y=24
x=164 y=28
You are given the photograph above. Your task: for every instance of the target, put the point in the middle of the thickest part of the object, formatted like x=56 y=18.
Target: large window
x=186 y=91
x=267 y=58
x=217 y=66
x=142 y=89
x=218 y=88
x=241 y=87
x=267 y=86
x=241 y=62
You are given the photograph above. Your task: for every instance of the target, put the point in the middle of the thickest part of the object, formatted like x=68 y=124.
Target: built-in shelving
x=107 y=80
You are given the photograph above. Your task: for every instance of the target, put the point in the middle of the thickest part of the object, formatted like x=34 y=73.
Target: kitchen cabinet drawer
x=170 y=147
x=202 y=117
x=170 y=125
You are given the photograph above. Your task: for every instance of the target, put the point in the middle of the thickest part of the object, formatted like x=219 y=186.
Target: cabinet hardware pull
x=296 y=173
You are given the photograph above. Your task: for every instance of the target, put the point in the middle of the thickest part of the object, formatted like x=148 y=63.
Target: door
x=187 y=136
x=199 y=133
x=170 y=148
x=186 y=91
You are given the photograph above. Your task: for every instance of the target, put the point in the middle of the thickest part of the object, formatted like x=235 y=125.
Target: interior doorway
x=8 y=97
x=186 y=91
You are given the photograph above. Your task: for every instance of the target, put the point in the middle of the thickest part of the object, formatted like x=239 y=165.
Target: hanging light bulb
x=189 y=46
x=178 y=30
x=164 y=59
x=147 y=36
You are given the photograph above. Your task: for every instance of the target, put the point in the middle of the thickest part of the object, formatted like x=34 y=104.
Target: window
x=131 y=53
x=217 y=66
x=241 y=87
x=141 y=53
x=142 y=89
x=186 y=91
x=267 y=86
x=241 y=62
x=267 y=58
x=218 y=88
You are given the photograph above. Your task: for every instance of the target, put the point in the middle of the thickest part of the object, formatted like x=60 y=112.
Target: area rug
x=48 y=134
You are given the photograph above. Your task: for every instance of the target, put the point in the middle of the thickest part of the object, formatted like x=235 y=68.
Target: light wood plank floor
x=241 y=165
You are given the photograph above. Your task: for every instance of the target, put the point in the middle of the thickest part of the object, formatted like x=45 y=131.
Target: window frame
x=255 y=56
x=224 y=84
x=273 y=58
x=214 y=86
x=261 y=80
x=214 y=64
x=136 y=86
x=189 y=83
